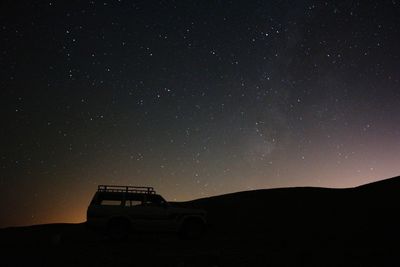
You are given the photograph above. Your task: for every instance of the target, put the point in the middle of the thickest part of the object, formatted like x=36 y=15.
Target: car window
x=132 y=203
x=152 y=201
x=111 y=202
x=133 y=200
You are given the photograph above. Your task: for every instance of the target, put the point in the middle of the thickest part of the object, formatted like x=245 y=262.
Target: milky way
x=195 y=98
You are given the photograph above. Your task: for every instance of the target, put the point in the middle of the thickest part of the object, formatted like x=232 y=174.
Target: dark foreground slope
x=276 y=227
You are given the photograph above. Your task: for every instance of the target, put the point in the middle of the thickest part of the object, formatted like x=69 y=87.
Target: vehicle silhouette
x=121 y=210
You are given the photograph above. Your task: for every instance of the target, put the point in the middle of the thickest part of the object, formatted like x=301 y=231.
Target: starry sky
x=196 y=98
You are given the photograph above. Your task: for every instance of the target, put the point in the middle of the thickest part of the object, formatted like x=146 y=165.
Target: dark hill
x=302 y=226
x=307 y=213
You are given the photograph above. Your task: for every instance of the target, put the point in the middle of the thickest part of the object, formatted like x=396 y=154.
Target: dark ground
x=276 y=227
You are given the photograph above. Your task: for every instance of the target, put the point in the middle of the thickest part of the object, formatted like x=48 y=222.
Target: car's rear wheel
x=118 y=228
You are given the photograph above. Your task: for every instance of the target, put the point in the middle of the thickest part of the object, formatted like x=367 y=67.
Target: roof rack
x=126 y=189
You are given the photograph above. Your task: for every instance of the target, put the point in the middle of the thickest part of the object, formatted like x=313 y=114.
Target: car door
x=133 y=208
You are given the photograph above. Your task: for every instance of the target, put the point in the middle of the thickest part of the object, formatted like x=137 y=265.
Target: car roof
x=125 y=195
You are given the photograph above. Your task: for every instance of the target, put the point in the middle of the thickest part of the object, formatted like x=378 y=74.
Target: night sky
x=195 y=98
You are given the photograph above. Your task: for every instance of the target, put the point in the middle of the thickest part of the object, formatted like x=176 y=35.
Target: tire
x=118 y=228
x=192 y=229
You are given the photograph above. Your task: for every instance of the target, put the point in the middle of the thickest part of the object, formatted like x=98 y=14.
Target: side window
x=110 y=202
x=152 y=201
x=132 y=203
x=133 y=200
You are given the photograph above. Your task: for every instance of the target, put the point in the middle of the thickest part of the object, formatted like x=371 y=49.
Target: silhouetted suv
x=121 y=209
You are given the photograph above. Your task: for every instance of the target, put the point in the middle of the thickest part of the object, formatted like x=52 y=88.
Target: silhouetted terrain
x=302 y=226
